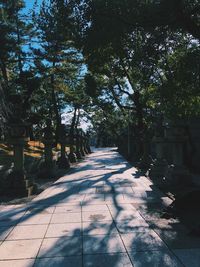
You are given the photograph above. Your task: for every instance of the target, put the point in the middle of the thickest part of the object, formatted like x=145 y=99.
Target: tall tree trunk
x=77 y=119
x=140 y=126
x=138 y=108
x=71 y=134
x=72 y=155
x=139 y=111
x=55 y=108
x=4 y=71
x=4 y=102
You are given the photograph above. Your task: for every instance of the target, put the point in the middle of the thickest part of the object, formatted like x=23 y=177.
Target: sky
x=65 y=116
x=29 y=4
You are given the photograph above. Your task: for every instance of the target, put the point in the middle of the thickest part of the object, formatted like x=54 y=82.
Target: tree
x=17 y=77
x=56 y=58
x=122 y=42
x=122 y=17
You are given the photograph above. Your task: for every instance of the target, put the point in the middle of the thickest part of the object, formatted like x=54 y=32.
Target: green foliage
x=91 y=87
x=14 y=77
x=142 y=57
x=181 y=93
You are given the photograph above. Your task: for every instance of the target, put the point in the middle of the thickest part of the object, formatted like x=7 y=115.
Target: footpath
x=102 y=213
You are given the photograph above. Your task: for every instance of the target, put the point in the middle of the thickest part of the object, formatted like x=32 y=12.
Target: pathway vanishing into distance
x=103 y=213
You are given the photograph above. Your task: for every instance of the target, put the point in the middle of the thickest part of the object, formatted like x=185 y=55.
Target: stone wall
x=193 y=149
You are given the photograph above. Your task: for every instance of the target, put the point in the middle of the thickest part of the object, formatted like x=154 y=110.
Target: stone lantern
x=63 y=162
x=158 y=169
x=47 y=167
x=48 y=141
x=82 y=143
x=85 y=143
x=88 y=143
x=146 y=158
x=78 y=144
x=72 y=156
x=176 y=138
x=18 y=136
x=159 y=166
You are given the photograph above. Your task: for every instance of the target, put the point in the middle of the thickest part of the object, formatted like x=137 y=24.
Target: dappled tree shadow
x=128 y=221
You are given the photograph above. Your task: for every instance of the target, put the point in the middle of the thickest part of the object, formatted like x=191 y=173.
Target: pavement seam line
x=162 y=240
x=120 y=237
x=44 y=237
x=82 y=235
x=13 y=227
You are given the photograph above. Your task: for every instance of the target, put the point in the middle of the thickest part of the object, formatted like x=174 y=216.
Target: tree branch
x=117 y=101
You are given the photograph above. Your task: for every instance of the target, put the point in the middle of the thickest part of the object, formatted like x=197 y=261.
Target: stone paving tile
x=134 y=225
x=161 y=258
x=71 y=217
x=145 y=194
x=71 y=261
x=55 y=191
x=1 y=207
x=166 y=201
x=64 y=246
x=107 y=260
x=77 y=210
x=174 y=234
x=99 y=228
x=102 y=244
x=63 y=209
x=135 y=199
x=97 y=184
x=119 y=182
x=21 y=207
x=189 y=257
x=96 y=216
x=141 y=186
x=40 y=210
x=124 y=190
x=10 y=218
x=114 y=198
x=68 y=192
x=27 y=232
x=66 y=229
x=142 y=241
x=45 y=202
x=93 y=202
x=121 y=207
x=14 y=208
x=33 y=218
x=148 y=206
x=104 y=189
x=94 y=208
x=150 y=211
x=19 y=249
x=125 y=215
x=73 y=199
x=17 y=263
x=4 y=231
x=90 y=197
x=68 y=205
x=8 y=207
x=87 y=191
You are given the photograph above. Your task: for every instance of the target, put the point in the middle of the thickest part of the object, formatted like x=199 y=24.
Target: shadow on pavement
x=103 y=213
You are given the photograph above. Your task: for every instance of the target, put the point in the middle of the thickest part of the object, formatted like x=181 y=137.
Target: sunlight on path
x=103 y=213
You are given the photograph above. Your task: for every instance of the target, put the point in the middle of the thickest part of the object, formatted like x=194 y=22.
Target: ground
x=33 y=154
x=101 y=213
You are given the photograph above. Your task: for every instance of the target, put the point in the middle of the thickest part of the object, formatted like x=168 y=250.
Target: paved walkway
x=101 y=214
